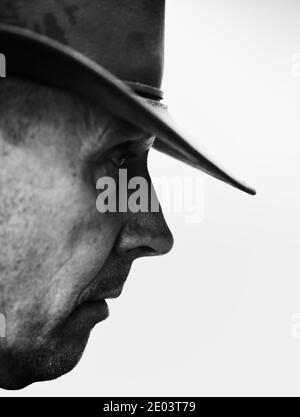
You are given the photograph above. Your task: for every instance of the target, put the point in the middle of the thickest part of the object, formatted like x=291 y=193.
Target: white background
x=215 y=316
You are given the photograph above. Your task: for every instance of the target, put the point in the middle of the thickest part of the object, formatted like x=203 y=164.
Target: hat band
x=146 y=90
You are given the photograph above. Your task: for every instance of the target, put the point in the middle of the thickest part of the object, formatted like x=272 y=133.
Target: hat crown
x=124 y=36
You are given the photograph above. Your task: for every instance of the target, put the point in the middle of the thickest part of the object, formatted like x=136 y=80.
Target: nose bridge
x=147 y=231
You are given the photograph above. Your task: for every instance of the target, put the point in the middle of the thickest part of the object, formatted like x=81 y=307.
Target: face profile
x=61 y=257
x=80 y=102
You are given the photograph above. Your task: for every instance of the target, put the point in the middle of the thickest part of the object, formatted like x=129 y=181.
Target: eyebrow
x=106 y=142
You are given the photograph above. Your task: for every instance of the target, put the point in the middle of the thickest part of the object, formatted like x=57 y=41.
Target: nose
x=145 y=234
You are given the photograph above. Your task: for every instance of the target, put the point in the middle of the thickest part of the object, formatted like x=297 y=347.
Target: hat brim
x=42 y=59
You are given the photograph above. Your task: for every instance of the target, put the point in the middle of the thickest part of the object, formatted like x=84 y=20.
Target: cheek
x=53 y=242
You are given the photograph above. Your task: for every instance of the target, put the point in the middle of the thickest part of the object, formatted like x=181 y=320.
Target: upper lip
x=112 y=293
x=98 y=296
x=96 y=292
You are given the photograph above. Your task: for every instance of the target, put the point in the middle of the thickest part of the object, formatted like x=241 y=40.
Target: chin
x=57 y=357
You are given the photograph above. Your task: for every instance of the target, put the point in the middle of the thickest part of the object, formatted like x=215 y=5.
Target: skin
x=56 y=249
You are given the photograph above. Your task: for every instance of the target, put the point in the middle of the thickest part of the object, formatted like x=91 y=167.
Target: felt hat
x=109 y=51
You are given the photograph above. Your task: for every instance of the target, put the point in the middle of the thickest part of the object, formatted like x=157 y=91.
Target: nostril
x=147 y=251
x=145 y=236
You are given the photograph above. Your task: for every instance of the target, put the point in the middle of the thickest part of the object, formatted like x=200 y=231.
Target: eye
x=118 y=161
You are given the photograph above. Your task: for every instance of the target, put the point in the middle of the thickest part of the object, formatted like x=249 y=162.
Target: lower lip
x=95 y=311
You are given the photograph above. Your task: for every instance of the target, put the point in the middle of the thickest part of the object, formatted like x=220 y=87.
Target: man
x=65 y=122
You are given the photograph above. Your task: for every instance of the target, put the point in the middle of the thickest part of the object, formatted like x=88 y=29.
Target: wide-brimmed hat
x=109 y=51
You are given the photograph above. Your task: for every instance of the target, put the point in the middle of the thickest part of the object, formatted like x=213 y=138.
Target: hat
x=109 y=51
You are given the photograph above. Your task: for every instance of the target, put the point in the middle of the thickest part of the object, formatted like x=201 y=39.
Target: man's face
x=59 y=257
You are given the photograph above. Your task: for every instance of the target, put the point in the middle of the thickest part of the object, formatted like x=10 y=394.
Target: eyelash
x=118 y=161
x=113 y=165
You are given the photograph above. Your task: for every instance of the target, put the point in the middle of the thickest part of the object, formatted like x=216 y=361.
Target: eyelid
x=115 y=161
x=128 y=149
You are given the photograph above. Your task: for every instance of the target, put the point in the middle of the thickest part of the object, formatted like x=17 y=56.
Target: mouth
x=91 y=311
x=108 y=294
x=93 y=307
x=107 y=284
